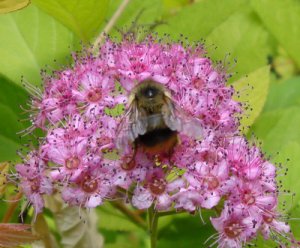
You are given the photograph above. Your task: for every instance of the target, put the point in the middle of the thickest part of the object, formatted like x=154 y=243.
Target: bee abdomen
x=158 y=140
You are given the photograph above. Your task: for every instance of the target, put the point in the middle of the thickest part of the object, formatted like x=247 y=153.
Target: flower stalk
x=153 y=225
x=110 y=24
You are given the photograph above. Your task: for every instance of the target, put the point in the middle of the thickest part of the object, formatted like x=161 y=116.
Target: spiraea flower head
x=82 y=111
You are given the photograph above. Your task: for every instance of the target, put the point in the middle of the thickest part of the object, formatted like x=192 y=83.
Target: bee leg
x=171 y=150
x=134 y=150
x=169 y=156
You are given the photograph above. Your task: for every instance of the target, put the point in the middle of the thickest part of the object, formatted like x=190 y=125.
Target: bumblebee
x=153 y=120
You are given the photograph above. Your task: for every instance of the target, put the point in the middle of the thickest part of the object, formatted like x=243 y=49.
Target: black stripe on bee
x=155 y=137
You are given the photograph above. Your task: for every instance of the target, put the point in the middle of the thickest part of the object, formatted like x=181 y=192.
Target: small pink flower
x=58 y=99
x=268 y=176
x=156 y=189
x=234 y=228
x=208 y=181
x=70 y=157
x=246 y=162
x=271 y=225
x=88 y=190
x=252 y=198
x=34 y=180
x=188 y=199
x=137 y=62
x=134 y=169
x=103 y=138
x=94 y=92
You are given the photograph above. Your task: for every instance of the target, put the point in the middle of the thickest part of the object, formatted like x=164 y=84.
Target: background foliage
x=263 y=35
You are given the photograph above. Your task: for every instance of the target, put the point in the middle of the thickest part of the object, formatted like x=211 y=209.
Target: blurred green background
x=262 y=35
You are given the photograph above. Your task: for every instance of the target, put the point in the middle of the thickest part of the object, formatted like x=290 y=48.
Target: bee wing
x=131 y=126
x=177 y=120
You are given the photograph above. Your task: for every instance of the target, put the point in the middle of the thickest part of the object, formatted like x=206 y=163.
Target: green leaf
x=262 y=243
x=119 y=230
x=283 y=94
x=200 y=19
x=7 y=6
x=294 y=222
x=125 y=239
x=282 y=18
x=186 y=231
x=278 y=125
x=84 y=18
x=229 y=25
x=284 y=66
x=30 y=40
x=11 y=98
x=170 y=4
x=253 y=90
x=149 y=11
x=112 y=219
x=173 y=6
x=242 y=36
x=278 y=128
x=289 y=181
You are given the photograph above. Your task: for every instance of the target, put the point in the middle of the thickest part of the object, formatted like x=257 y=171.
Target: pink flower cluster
x=79 y=112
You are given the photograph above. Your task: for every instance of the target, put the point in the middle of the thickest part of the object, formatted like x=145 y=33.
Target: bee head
x=149 y=92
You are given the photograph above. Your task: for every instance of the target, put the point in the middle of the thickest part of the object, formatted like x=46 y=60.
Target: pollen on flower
x=34 y=185
x=267 y=218
x=248 y=198
x=158 y=186
x=89 y=184
x=72 y=163
x=128 y=163
x=212 y=182
x=94 y=95
x=233 y=229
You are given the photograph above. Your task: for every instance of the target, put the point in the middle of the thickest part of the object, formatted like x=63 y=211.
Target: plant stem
x=166 y=213
x=12 y=207
x=135 y=218
x=111 y=23
x=41 y=228
x=153 y=223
